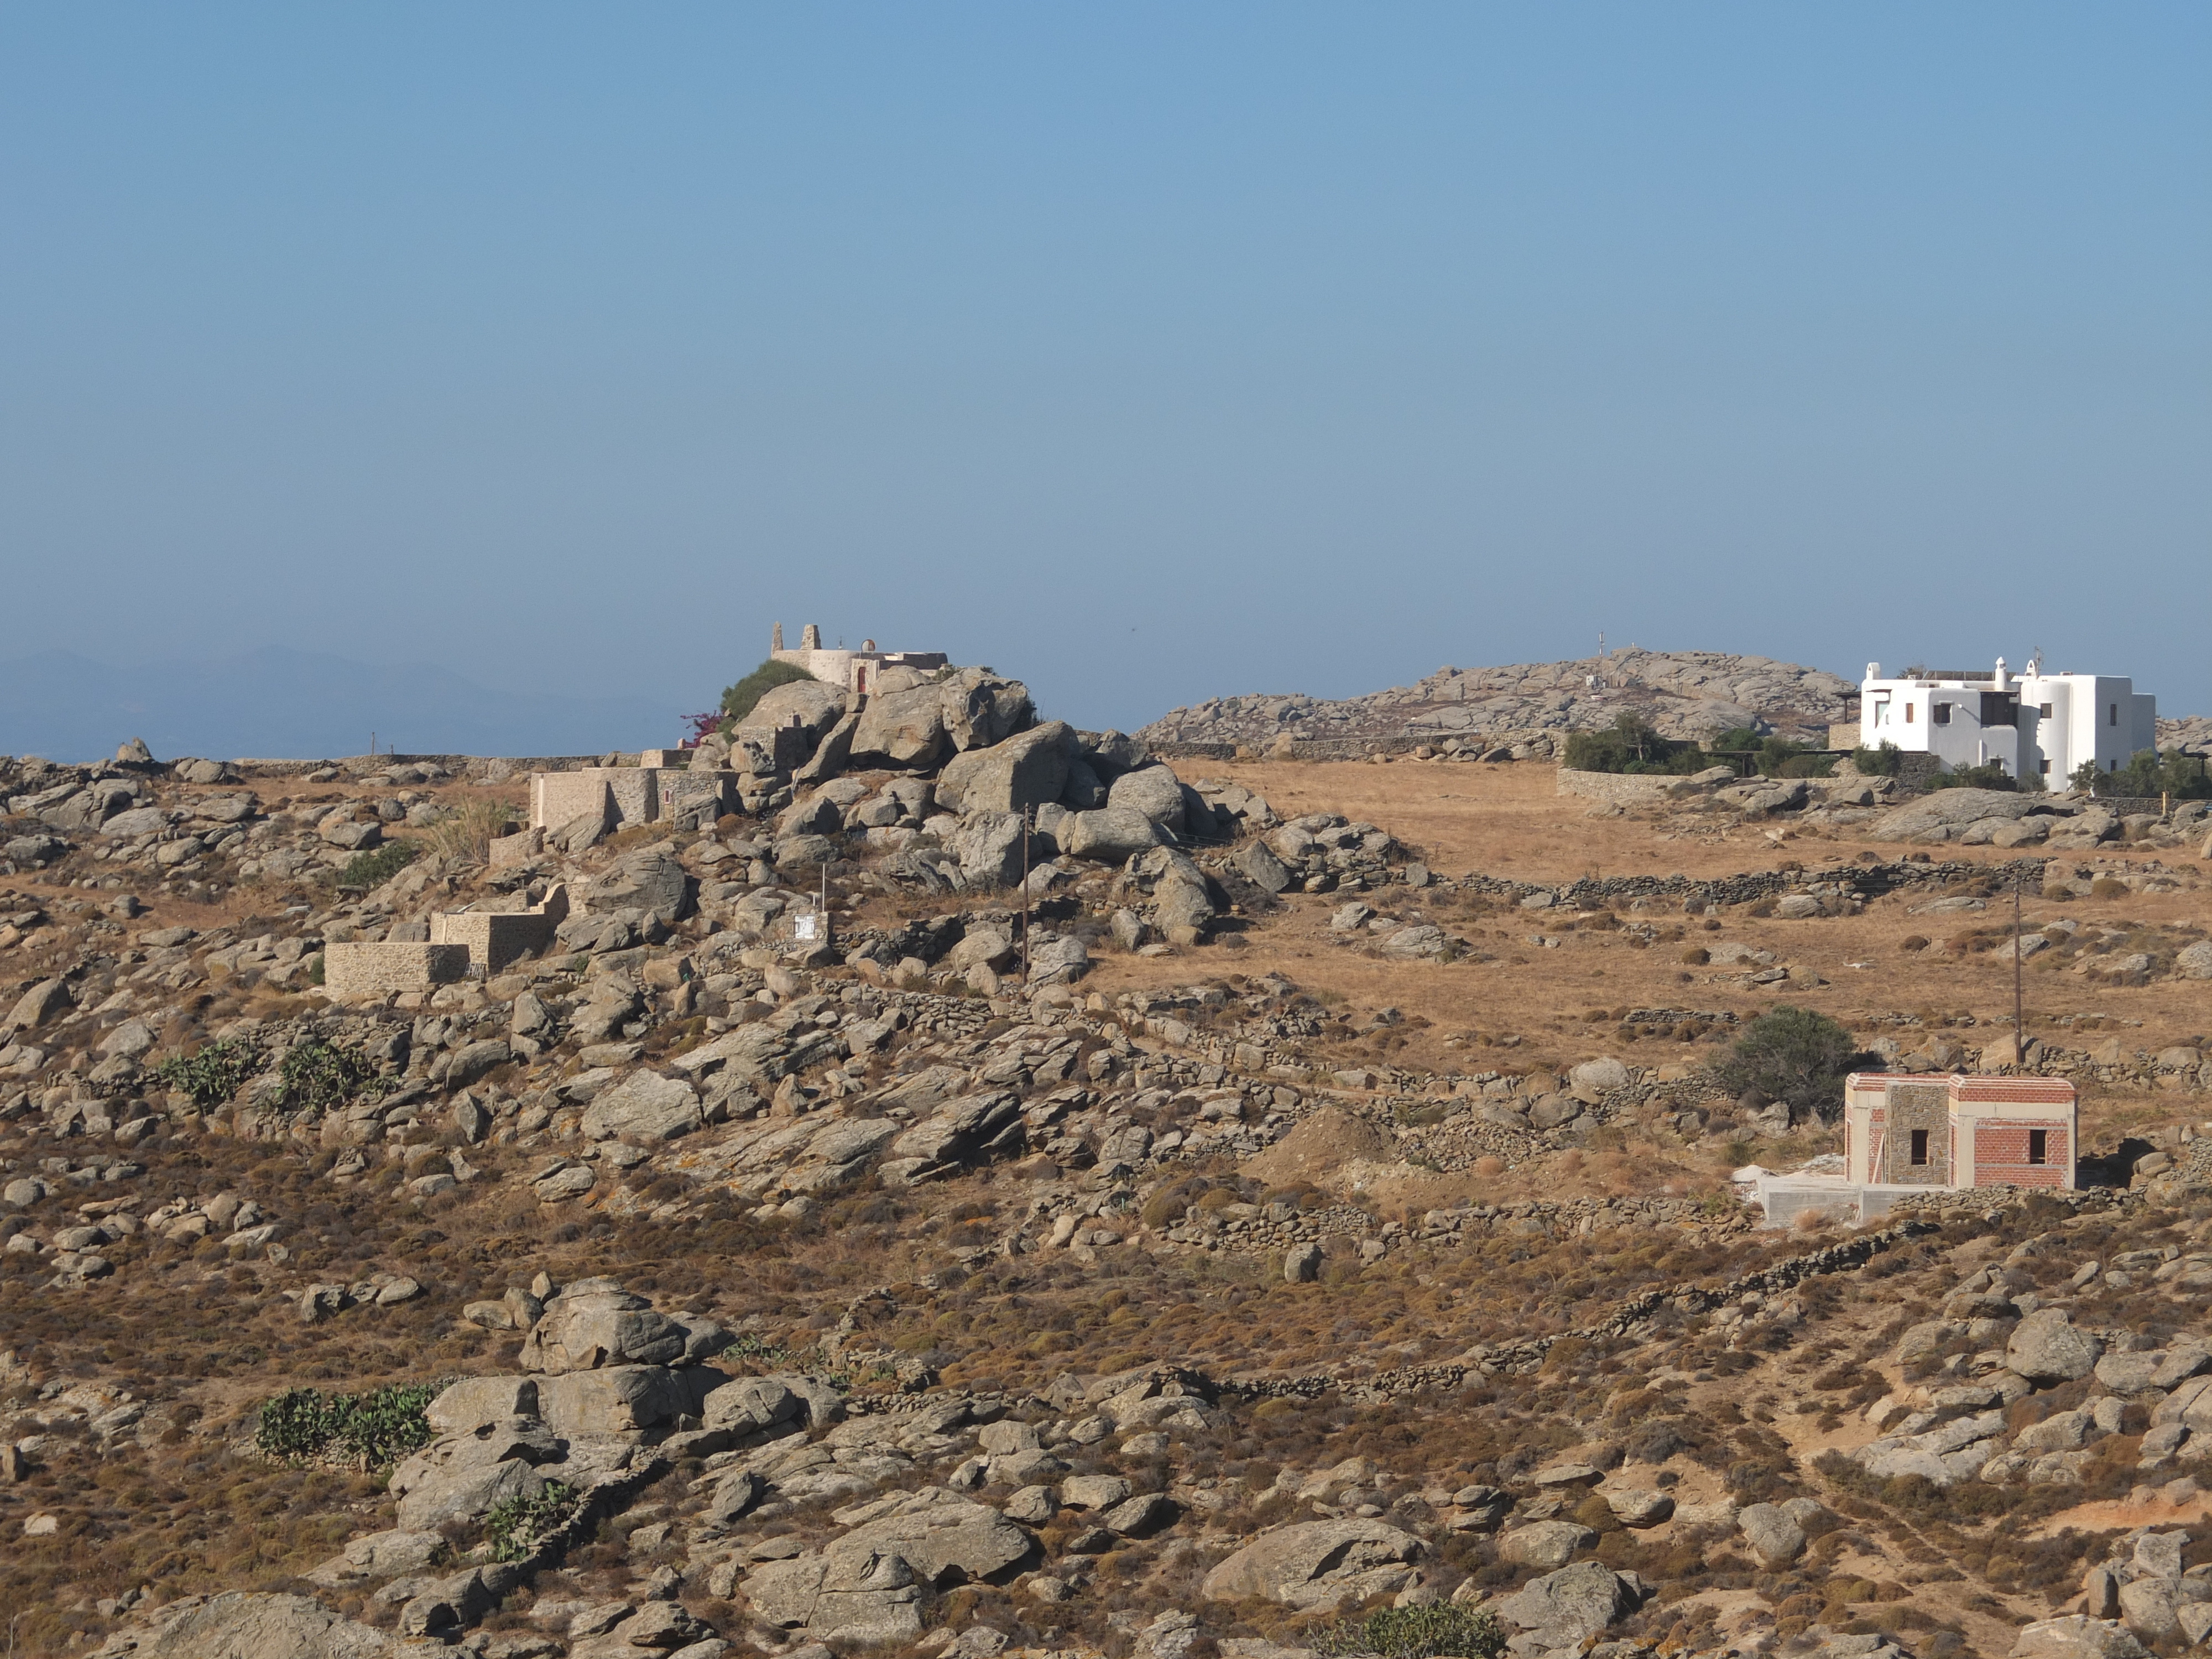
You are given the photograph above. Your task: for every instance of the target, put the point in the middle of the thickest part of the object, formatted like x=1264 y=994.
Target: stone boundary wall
x=489 y=768
x=367 y=970
x=1303 y=749
x=1621 y=786
x=1526 y=1355
x=1865 y=880
x=493 y=939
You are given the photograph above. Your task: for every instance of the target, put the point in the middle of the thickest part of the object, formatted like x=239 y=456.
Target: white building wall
x=2093 y=716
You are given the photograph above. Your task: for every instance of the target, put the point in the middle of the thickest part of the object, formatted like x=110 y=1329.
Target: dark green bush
x=737 y=700
x=2149 y=772
x=1771 y=756
x=379 y=865
x=1630 y=744
x=1794 y=1056
x=1991 y=776
x=319 y=1077
x=215 y=1073
x=514 y=1525
x=379 y=1428
x=1415 y=1633
x=1881 y=763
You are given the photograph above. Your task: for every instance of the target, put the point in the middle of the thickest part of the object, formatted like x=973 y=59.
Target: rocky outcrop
x=1683 y=694
x=868 y=1584
x=1315 y=1566
x=243 y=1625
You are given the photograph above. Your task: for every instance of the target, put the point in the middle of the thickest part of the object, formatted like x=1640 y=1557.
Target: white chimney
x=2002 y=683
x=1874 y=670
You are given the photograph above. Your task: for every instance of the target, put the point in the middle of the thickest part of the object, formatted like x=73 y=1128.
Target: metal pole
x=1025 y=896
x=2018 y=1032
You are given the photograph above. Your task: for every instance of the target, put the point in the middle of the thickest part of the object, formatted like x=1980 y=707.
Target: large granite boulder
x=646 y=1105
x=1176 y=886
x=1110 y=836
x=1545 y=1543
x=245 y=1625
x=2077 y=1636
x=2046 y=1348
x=1315 y=1566
x=901 y=729
x=817 y=706
x=595 y=1322
x=981 y=710
x=1774 y=1538
x=1025 y=770
x=617 y=1399
x=1948 y=811
x=1156 y=793
x=867 y=1585
x=649 y=879
x=1563 y=1607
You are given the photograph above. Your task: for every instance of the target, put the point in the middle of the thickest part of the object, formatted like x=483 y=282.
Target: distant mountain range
x=278 y=703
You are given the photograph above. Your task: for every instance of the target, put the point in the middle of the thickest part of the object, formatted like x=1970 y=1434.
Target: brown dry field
x=1564 y=1003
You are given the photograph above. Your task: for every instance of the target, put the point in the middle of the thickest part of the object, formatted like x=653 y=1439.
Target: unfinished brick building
x=1906 y=1135
x=1959 y=1130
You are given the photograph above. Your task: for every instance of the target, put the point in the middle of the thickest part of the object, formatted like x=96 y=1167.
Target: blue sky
x=1149 y=352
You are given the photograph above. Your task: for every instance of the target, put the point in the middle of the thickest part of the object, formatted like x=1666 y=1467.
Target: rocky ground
x=1297 y=1220
x=1683 y=694
x=1523 y=712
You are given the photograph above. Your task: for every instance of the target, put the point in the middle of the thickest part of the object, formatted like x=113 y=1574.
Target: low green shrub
x=215 y=1072
x=1991 y=776
x=2149 y=773
x=1630 y=744
x=514 y=1525
x=378 y=1428
x=1415 y=1633
x=737 y=700
x=1773 y=757
x=319 y=1077
x=379 y=865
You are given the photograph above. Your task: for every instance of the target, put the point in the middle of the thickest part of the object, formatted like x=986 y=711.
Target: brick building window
x=1919 y=1147
x=2039 y=1146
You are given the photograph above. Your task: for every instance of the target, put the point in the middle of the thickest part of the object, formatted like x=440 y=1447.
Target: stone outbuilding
x=1906 y=1134
x=856 y=671
x=1959 y=1130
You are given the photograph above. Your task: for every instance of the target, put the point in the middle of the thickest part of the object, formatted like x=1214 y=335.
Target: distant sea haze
x=277 y=703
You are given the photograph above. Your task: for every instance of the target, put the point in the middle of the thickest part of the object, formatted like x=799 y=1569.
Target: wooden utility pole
x=2018 y=1031
x=1025 y=896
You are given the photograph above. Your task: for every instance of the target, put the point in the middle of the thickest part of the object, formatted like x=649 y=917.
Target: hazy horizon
x=1147 y=354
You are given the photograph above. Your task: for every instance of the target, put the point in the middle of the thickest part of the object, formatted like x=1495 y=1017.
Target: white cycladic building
x=856 y=670
x=2031 y=724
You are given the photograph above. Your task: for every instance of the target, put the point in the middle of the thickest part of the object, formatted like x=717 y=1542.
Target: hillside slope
x=1683 y=693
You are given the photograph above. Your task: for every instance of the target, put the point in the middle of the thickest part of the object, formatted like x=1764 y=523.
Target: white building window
x=1940 y=713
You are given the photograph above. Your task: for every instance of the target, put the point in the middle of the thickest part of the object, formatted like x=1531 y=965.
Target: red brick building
x=1959 y=1130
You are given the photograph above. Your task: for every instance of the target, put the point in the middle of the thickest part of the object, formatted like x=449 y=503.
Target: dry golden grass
x=1509 y=821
